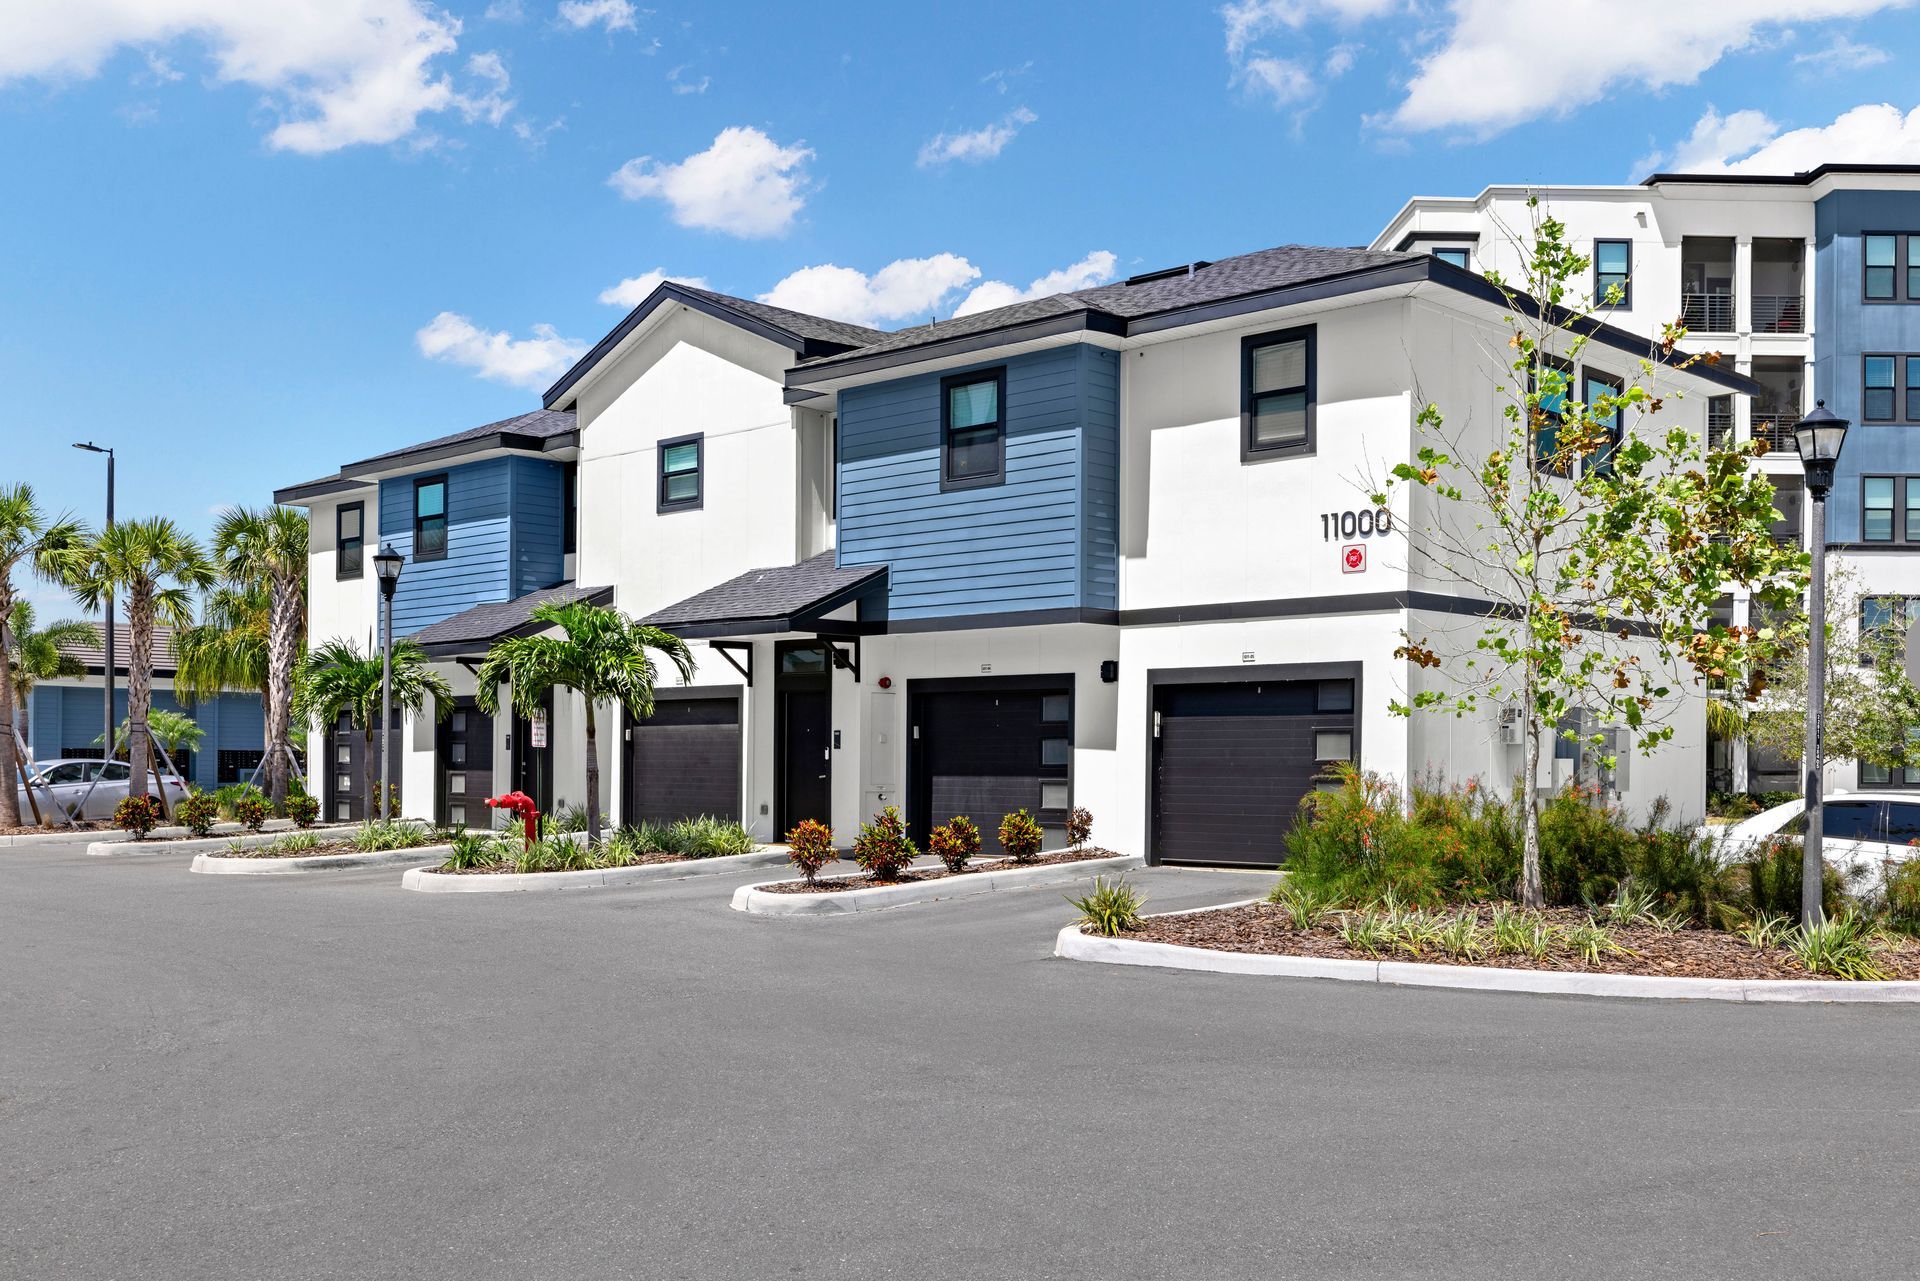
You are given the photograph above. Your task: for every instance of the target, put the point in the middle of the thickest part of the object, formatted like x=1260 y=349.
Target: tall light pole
x=386 y=567
x=106 y=751
x=1818 y=437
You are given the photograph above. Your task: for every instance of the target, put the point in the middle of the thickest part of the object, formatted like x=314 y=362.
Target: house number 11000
x=1361 y=524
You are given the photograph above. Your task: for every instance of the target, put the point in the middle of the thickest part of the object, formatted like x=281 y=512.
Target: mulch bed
x=504 y=869
x=1685 y=953
x=834 y=885
x=34 y=829
x=317 y=851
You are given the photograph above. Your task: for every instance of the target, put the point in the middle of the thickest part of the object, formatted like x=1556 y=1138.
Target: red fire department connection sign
x=1353 y=559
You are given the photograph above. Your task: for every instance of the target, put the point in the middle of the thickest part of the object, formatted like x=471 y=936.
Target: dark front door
x=532 y=749
x=683 y=761
x=985 y=748
x=346 y=780
x=1232 y=762
x=463 y=757
x=804 y=734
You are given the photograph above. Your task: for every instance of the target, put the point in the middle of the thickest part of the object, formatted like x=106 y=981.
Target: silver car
x=68 y=781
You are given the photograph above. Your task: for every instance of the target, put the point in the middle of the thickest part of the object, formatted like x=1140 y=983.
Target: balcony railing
x=1775 y=428
x=1779 y=314
x=1719 y=427
x=1707 y=313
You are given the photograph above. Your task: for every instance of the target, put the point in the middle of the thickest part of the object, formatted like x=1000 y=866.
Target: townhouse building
x=1809 y=285
x=1110 y=548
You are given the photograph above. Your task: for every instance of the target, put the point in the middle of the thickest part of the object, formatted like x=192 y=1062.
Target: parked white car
x=68 y=780
x=1861 y=831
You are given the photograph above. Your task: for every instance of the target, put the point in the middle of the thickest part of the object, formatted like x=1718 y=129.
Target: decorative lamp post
x=107 y=664
x=1818 y=437
x=386 y=567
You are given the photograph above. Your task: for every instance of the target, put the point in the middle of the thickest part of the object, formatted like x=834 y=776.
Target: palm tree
x=30 y=541
x=40 y=655
x=264 y=550
x=156 y=566
x=338 y=678
x=602 y=656
x=172 y=730
x=226 y=649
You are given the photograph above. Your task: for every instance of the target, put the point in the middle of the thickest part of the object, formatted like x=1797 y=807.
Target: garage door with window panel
x=986 y=747
x=684 y=760
x=1232 y=761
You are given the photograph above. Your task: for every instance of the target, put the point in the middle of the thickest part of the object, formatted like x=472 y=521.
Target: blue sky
x=247 y=241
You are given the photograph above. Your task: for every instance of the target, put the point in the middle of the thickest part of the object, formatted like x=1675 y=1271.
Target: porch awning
x=471 y=632
x=784 y=598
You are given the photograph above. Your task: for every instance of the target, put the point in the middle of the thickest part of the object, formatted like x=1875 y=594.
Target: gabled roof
x=94 y=653
x=539 y=431
x=799 y=332
x=471 y=631
x=778 y=599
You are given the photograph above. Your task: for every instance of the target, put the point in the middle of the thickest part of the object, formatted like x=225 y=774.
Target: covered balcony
x=1779 y=302
x=1779 y=405
x=1706 y=284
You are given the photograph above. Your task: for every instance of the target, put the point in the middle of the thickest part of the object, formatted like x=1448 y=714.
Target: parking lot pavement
x=325 y=1076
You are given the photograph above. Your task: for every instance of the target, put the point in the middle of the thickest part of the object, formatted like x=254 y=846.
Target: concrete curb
x=432 y=882
x=215 y=865
x=1073 y=945
x=114 y=836
x=757 y=899
x=194 y=845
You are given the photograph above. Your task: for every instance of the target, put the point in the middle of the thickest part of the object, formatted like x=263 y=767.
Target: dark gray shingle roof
x=541 y=424
x=497 y=619
x=797 y=322
x=781 y=591
x=1228 y=278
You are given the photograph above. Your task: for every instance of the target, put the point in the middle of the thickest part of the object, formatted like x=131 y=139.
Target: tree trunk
x=1530 y=891
x=139 y=691
x=283 y=625
x=9 y=773
x=593 y=780
x=376 y=804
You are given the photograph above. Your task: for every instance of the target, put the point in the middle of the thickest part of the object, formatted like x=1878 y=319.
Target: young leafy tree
x=156 y=567
x=40 y=654
x=1873 y=708
x=264 y=550
x=338 y=678
x=31 y=542
x=602 y=655
x=1602 y=537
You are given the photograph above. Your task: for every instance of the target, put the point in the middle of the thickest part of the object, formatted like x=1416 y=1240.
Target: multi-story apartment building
x=1809 y=285
x=1109 y=548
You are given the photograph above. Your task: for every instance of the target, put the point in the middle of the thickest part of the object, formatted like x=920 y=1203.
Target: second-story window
x=430 y=518
x=1876 y=402
x=1613 y=266
x=349 y=539
x=1453 y=254
x=973 y=430
x=682 y=483
x=1877 y=519
x=1890 y=266
x=1599 y=386
x=570 y=509
x=1552 y=379
x=1277 y=393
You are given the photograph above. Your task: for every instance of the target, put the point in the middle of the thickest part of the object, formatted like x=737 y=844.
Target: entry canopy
x=471 y=632
x=784 y=598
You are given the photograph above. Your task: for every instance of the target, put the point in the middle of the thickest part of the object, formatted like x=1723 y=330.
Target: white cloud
x=1285 y=77
x=1488 y=73
x=1842 y=55
x=520 y=362
x=979 y=144
x=633 y=291
x=1002 y=80
x=336 y=72
x=1748 y=142
x=745 y=184
x=614 y=15
x=908 y=288
x=1095 y=269
x=688 y=85
x=505 y=11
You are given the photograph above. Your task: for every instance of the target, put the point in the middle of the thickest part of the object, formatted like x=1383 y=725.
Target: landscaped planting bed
x=368 y=838
x=918 y=875
x=642 y=845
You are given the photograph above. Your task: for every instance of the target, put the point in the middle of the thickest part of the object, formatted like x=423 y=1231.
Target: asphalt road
x=216 y=1077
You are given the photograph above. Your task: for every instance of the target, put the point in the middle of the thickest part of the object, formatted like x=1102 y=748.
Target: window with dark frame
x=1458 y=257
x=1277 y=393
x=973 y=429
x=1594 y=386
x=1913 y=268
x=833 y=468
x=1896 y=612
x=1876 y=399
x=1877 y=524
x=682 y=468
x=1890 y=267
x=1550 y=412
x=1613 y=265
x=570 y=509
x=349 y=540
x=430 y=518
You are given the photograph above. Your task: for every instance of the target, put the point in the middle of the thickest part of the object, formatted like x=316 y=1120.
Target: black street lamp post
x=1818 y=437
x=386 y=567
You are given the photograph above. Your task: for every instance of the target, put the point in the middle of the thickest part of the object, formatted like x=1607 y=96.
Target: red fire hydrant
x=519 y=803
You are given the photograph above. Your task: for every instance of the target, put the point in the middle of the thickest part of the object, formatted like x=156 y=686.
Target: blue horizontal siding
x=66 y=717
x=1045 y=538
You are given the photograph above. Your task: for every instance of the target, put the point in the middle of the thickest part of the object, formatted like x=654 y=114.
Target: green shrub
x=471 y=850
x=302 y=809
x=390 y=834
x=810 y=848
x=554 y=854
x=568 y=818
x=1773 y=877
x=1020 y=836
x=1304 y=907
x=294 y=844
x=1903 y=896
x=137 y=815
x=707 y=837
x=955 y=842
x=197 y=813
x=1357 y=841
x=1110 y=907
x=229 y=796
x=1845 y=947
x=882 y=848
x=252 y=812
x=1079 y=827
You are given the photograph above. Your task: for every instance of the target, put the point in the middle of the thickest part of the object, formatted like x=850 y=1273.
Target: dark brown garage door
x=987 y=748
x=1233 y=760
x=684 y=761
